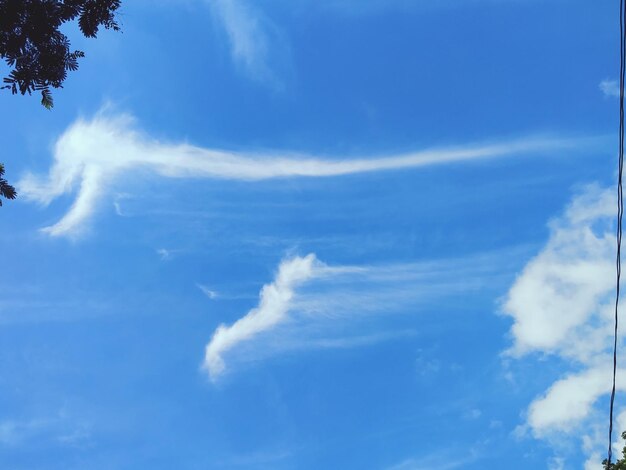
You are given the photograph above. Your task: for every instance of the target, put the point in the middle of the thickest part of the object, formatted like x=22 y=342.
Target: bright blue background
x=101 y=340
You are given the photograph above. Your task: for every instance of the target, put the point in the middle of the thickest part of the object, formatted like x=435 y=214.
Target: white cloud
x=309 y=305
x=210 y=293
x=443 y=461
x=344 y=342
x=562 y=305
x=250 y=35
x=610 y=88
x=95 y=153
x=274 y=303
x=473 y=414
x=59 y=428
x=557 y=463
x=594 y=462
x=570 y=400
x=13 y=432
x=164 y=254
x=562 y=292
x=118 y=206
x=257 y=44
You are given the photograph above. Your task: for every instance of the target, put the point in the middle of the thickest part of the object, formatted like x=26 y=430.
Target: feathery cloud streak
x=273 y=306
x=257 y=44
x=250 y=38
x=93 y=153
x=308 y=302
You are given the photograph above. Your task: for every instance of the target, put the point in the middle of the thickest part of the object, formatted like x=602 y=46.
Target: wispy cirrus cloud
x=441 y=460
x=274 y=304
x=255 y=42
x=562 y=306
x=309 y=303
x=610 y=88
x=164 y=254
x=93 y=154
x=210 y=293
x=260 y=49
x=59 y=428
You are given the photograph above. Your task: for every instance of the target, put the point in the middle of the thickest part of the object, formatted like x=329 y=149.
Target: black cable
x=620 y=210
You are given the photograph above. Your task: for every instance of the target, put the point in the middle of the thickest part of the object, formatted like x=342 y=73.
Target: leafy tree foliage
x=34 y=48
x=6 y=190
x=37 y=53
x=621 y=463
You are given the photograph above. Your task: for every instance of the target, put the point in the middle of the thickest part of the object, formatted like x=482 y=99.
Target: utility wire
x=620 y=209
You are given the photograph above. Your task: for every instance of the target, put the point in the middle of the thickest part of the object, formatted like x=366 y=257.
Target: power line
x=620 y=210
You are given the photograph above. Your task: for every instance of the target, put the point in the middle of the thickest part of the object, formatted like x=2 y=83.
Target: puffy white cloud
x=562 y=304
x=570 y=400
x=561 y=295
x=94 y=153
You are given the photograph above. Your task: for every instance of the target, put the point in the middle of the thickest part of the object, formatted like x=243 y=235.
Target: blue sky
x=315 y=235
